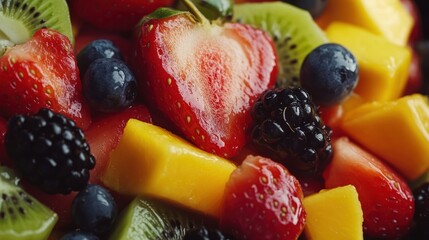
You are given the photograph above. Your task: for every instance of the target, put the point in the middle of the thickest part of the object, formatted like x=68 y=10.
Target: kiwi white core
x=13 y=30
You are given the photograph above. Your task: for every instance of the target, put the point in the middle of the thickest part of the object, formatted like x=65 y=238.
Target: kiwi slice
x=19 y=19
x=293 y=30
x=22 y=217
x=152 y=219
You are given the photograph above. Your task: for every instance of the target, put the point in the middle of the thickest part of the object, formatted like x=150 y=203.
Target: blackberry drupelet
x=50 y=151
x=205 y=234
x=287 y=123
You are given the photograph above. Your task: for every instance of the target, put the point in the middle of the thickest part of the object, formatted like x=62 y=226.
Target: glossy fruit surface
x=42 y=73
x=100 y=48
x=94 y=210
x=287 y=122
x=384 y=127
x=329 y=73
x=386 y=18
x=109 y=85
x=79 y=235
x=50 y=151
x=263 y=201
x=329 y=207
x=383 y=66
x=378 y=186
x=151 y=161
x=103 y=142
x=203 y=76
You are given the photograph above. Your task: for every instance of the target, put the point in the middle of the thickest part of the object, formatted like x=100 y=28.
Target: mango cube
x=397 y=131
x=151 y=161
x=386 y=18
x=334 y=214
x=383 y=66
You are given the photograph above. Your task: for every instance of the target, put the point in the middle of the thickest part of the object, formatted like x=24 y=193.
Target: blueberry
x=101 y=48
x=109 y=85
x=315 y=7
x=329 y=73
x=78 y=235
x=94 y=210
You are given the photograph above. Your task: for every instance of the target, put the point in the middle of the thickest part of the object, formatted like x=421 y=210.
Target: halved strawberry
x=104 y=133
x=263 y=200
x=42 y=73
x=387 y=201
x=119 y=15
x=204 y=76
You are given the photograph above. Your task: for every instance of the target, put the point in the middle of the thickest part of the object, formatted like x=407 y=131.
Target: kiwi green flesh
x=153 y=219
x=22 y=217
x=20 y=19
x=292 y=29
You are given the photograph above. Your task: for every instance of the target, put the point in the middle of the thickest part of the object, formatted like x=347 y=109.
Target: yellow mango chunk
x=397 y=131
x=334 y=214
x=149 y=160
x=386 y=18
x=383 y=66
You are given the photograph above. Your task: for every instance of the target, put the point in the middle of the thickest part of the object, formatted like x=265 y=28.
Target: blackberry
x=288 y=124
x=50 y=151
x=205 y=234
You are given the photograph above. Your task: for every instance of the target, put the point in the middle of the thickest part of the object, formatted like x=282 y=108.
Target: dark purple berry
x=101 y=48
x=50 y=151
x=109 y=85
x=79 y=235
x=287 y=124
x=329 y=73
x=94 y=210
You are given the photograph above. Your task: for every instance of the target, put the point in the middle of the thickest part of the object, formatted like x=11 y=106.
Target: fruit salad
x=214 y=119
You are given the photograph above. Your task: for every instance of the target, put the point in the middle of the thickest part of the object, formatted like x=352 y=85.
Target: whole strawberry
x=42 y=73
x=204 y=76
x=118 y=15
x=263 y=201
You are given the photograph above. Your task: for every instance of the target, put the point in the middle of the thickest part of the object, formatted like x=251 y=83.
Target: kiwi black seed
x=22 y=217
x=152 y=219
x=292 y=29
x=19 y=19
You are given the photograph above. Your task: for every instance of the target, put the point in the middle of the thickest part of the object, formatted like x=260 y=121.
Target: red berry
x=263 y=201
x=42 y=73
x=204 y=77
x=118 y=15
x=387 y=201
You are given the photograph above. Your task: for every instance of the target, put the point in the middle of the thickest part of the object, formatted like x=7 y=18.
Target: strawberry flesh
x=42 y=73
x=117 y=15
x=387 y=201
x=263 y=201
x=205 y=77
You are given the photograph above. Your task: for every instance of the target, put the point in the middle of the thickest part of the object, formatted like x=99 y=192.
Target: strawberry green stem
x=194 y=10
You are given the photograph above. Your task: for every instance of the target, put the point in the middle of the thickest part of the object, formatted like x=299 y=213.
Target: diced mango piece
x=334 y=214
x=151 y=161
x=386 y=18
x=397 y=131
x=383 y=66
